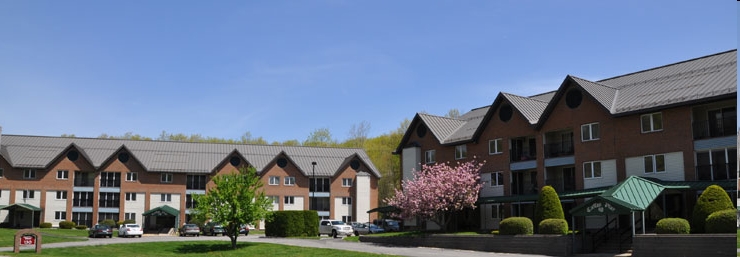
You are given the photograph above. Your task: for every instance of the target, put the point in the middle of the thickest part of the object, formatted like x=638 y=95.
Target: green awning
x=632 y=194
x=164 y=210
x=384 y=209
x=20 y=206
x=574 y=194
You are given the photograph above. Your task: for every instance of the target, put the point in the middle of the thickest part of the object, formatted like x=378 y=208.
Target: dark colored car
x=100 y=230
x=213 y=228
x=189 y=230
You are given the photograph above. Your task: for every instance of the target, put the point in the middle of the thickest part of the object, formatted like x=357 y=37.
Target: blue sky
x=283 y=69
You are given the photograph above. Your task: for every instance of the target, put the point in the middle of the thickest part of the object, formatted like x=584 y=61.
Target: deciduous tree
x=438 y=190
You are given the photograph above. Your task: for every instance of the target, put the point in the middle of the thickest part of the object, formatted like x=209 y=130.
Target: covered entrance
x=161 y=220
x=22 y=215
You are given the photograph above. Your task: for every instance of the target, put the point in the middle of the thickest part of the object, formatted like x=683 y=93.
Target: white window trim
x=289 y=181
x=167 y=198
x=346 y=200
x=432 y=154
x=63 y=194
x=276 y=183
x=593 y=173
x=130 y=199
x=292 y=200
x=497 y=146
x=590 y=132
x=132 y=176
x=164 y=177
x=63 y=172
x=459 y=154
x=652 y=123
x=655 y=163
x=57 y=215
x=30 y=172
x=494 y=177
x=345 y=184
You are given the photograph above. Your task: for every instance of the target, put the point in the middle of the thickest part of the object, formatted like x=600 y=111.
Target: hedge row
x=293 y=224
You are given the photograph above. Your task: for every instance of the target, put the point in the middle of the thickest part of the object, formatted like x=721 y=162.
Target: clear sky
x=283 y=69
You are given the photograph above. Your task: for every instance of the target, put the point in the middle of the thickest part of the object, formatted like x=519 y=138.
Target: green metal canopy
x=384 y=209
x=534 y=197
x=164 y=210
x=632 y=194
x=20 y=206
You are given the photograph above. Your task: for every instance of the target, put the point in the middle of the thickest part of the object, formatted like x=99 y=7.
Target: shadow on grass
x=208 y=248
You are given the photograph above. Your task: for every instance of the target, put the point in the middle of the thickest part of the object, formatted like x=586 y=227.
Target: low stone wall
x=653 y=245
x=554 y=245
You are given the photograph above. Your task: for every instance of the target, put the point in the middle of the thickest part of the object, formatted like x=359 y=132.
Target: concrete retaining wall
x=653 y=245
x=554 y=245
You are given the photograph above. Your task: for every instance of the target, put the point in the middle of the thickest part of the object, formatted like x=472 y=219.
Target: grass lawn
x=199 y=248
x=738 y=238
x=48 y=235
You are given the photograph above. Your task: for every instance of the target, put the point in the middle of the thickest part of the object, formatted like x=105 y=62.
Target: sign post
x=27 y=237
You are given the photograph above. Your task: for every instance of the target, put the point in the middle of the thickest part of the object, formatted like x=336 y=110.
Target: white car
x=130 y=230
x=335 y=228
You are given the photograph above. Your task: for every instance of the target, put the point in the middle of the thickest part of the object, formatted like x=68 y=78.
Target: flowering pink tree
x=438 y=190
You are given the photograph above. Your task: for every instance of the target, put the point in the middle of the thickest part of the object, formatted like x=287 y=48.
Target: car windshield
x=132 y=225
x=392 y=223
x=337 y=222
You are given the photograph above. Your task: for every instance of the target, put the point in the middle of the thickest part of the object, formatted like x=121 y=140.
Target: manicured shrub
x=714 y=198
x=672 y=226
x=553 y=226
x=723 y=221
x=110 y=223
x=516 y=226
x=67 y=224
x=292 y=224
x=121 y=222
x=548 y=206
x=81 y=227
x=45 y=225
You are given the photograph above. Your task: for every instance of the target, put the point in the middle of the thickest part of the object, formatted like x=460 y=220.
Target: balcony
x=560 y=185
x=559 y=149
x=76 y=202
x=319 y=204
x=84 y=179
x=521 y=156
x=715 y=128
x=715 y=172
x=114 y=203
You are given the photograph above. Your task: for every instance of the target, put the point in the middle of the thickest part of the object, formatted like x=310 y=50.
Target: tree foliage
x=438 y=190
x=714 y=198
x=237 y=199
x=320 y=137
x=548 y=206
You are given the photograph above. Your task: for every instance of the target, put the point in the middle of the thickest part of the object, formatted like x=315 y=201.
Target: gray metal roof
x=181 y=157
x=531 y=108
x=472 y=120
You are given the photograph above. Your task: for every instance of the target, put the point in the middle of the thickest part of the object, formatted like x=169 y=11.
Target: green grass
x=199 y=248
x=738 y=238
x=48 y=235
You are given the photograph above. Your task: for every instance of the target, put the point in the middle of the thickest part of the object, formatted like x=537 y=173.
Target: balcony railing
x=722 y=171
x=715 y=128
x=558 y=149
x=83 y=181
x=109 y=203
x=520 y=156
x=560 y=186
x=82 y=202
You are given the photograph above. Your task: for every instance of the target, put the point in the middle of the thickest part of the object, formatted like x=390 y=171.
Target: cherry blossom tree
x=437 y=191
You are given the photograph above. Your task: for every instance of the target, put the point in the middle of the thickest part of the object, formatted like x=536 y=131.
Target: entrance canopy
x=534 y=197
x=630 y=195
x=20 y=206
x=164 y=210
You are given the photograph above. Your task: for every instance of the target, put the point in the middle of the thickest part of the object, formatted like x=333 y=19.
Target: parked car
x=213 y=228
x=244 y=229
x=367 y=228
x=190 y=230
x=388 y=224
x=130 y=230
x=100 y=230
x=335 y=228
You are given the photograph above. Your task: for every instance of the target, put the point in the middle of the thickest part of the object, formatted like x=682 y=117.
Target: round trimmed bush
x=721 y=222
x=516 y=226
x=714 y=198
x=548 y=206
x=67 y=224
x=45 y=225
x=672 y=226
x=553 y=227
x=81 y=227
x=110 y=223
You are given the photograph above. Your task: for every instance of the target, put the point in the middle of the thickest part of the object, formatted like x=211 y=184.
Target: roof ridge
x=527 y=98
x=544 y=93
x=663 y=66
x=443 y=117
x=595 y=82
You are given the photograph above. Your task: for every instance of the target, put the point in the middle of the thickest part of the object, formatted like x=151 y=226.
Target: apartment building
x=674 y=127
x=85 y=180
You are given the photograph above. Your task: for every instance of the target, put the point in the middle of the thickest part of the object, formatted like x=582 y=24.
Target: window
x=347 y=219
x=196 y=182
x=132 y=176
x=319 y=185
x=130 y=197
x=82 y=199
x=590 y=131
x=29 y=194
x=109 y=200
x=289 y=200
x=130 y=216
x=60 y=215
x=275 y=199
x=591 y=169
x=494 y=146
x=166 y=178
x=430 y=156
x=347 y=200
x=289 y=181
x=346 y=182
x=62 y=174
x=652 y=122
x=61 y=195
x=110 y=179
x=274 y=180
x=107 y=216
x=190 y=202
x=165 y=197
x=1 y=172
x=654 y=163
x=497 y=179
x=29 y=174
x=461 y=152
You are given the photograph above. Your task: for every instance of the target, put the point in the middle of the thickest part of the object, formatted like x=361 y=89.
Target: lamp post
x=313 y=191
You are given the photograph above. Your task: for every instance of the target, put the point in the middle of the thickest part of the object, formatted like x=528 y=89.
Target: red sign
x=28 y=240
